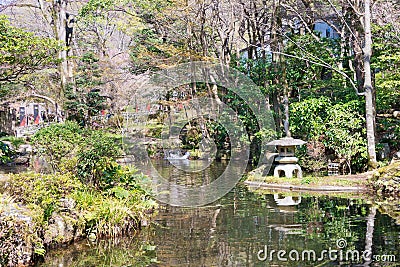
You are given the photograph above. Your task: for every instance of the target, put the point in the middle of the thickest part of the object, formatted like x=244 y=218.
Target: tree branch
x=323 y=65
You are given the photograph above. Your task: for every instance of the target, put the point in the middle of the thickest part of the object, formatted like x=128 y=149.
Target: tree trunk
x=60 y=22
x=285 y=100
x=369 y=90
x=276 y=25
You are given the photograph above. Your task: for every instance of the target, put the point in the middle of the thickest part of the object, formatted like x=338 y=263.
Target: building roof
x=286 y=141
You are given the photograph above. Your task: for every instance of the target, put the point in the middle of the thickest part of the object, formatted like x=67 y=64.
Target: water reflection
x=192 y=185
x=233 y=230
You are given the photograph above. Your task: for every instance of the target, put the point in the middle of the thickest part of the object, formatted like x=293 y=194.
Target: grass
x=310 y=181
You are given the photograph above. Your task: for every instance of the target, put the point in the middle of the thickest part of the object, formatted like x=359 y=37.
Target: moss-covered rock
x=386 y=180
x=19 y=238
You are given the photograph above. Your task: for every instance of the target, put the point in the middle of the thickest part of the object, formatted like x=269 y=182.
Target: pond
x=247 y=228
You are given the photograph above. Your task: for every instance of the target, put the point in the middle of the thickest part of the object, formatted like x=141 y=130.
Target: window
x=328 y=33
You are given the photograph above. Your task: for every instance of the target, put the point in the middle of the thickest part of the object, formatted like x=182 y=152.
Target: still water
x=246 y=228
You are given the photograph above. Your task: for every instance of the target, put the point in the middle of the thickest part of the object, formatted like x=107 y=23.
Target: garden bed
x=42 y=211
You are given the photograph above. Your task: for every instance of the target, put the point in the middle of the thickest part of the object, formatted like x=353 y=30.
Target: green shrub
x=112 y=212
x=5 y=153
x=43 y=190
x=308 y=117
x=90 y=154
x=96 y=159
x=118 y=209
x=345 y=134
x=15 y=141
x=58 y=141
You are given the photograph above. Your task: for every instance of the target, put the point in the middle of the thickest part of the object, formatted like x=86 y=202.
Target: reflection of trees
x=329 y=219
x=333 y=218
x=232 y=231
x=386 y=230
x=226 y=235
x=390 y=207
x=126 y=251
x=187 y=177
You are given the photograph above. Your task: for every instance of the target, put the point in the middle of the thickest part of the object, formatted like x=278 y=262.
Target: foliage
x=345 y=133
x=191 y=135
x=5 y=153
x=133 y=20
x=340 y=127
x=103 y=213
x=308 y=117
x=10 y=90
x=310 y=68
x=96 y=159
x=312 y=157
x=114 y=213
x=259 y=70
x=83 y=99
x=22 y=52
x=57 y=141
x=386 y=62
x=42 y=190
x=15 y=141
x=149 y=52
x=89 y=154
x=389 y=131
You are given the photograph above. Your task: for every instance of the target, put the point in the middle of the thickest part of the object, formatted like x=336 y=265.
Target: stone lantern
x=286 y=161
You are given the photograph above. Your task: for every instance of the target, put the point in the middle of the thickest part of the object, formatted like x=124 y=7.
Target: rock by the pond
x=17 y=235
x=61 y=229
x=386 y=180
x=21 y=160
x=125 y=160
x=24 y=149
x=19 y=232
x=67 y=204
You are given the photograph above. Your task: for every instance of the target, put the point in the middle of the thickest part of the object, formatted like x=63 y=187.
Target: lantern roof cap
x=286 y=141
